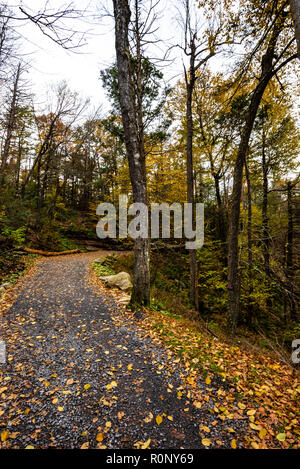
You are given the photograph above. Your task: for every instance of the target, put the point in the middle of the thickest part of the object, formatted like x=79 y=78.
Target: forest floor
x=81 y=373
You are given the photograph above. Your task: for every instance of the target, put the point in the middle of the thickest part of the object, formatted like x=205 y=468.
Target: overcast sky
x=50 y=63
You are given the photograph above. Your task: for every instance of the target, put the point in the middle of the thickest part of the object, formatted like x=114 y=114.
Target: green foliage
x=17 y=237
x=103 y=270
x=153 y=98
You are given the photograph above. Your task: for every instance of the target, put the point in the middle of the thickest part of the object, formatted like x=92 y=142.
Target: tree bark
x=136 y=159
x=249 y=247
x=295 y=10
x=233 y=239
x=221 y=225
x=289 y=253
x=265 y=218
x=10 y=121
x=190 y=84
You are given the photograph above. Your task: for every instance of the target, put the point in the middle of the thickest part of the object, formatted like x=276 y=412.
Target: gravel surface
x=76 y=377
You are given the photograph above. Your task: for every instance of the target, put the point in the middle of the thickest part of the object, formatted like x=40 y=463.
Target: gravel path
x=78 y=378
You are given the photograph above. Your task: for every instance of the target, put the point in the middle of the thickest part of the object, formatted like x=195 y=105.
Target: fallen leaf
x=146 y=444
x=233 y=444
x=4 y=435
x=206 y=442
x=262 y=433
x=158 y=419
x=100 y=437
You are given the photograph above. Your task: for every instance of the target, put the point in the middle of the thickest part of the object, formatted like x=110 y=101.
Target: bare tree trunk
x=250 y=243
x=141 y=275
x=221 y=225
x=10 y=121
x=295 y=10
x=289 y=253
x=19 y=159
x=190 y=83
x=265 y=219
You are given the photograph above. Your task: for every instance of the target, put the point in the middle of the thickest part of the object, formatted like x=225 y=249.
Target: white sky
x=49 y=63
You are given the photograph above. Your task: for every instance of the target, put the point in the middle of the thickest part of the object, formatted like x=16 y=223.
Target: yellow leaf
x=100 y=437
x=158 y=419
x=149 y=418
x=4 y=435
x=29 y=447
x=204 y=428
x=87 y=386
x=280 y=437
x=69 y=382
x=85 y=445
x=197 y=404
x=60 y=409
x=170 y=418
x=241 y=406
x=129 y=367
x=262 y=433
x=254 y=445
x=146 y=444
x=233 y=444
x=113 y=384
x=254 y=427
x=208 y=380
x=26 y=411
x=206 y=442
x=251 y=412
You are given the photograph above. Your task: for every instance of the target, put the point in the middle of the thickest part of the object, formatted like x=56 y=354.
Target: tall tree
x=11 y=119
x=198 y=54
x=295 y=9
x=271 y=63
x=135 y=152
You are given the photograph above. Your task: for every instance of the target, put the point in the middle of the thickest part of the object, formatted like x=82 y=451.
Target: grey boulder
x=121 y=280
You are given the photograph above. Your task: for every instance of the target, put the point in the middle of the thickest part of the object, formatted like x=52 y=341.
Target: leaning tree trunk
x=233 y=238
x=136 y=160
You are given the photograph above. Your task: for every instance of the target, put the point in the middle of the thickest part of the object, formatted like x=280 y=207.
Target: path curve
x=66 y=353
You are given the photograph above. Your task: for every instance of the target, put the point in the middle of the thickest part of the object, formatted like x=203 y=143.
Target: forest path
x=76 y=377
